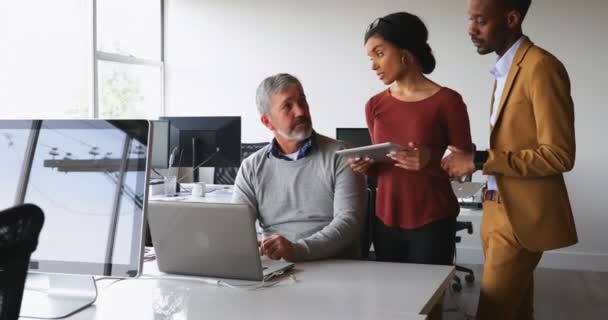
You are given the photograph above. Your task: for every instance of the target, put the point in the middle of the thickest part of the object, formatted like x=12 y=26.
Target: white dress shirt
x=500 y=73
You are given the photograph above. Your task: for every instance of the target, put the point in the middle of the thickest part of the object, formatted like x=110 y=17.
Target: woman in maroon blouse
x=415 y=206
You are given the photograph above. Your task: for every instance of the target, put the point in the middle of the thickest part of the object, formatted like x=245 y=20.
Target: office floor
x=560 y=294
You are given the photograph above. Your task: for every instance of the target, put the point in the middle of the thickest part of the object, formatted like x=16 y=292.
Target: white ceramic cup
x=199 y=189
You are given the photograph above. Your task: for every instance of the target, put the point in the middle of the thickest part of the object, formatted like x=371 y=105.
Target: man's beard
x=296 y=135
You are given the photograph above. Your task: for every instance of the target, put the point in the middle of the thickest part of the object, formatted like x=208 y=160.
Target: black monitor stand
x=197 y=144
x=195 y=147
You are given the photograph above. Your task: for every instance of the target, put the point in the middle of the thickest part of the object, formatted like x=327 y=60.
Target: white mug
x=199 y=189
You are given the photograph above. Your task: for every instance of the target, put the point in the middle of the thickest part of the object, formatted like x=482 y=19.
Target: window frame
x=102 y=56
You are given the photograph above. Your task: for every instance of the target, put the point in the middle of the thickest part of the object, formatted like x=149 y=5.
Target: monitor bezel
x=206 y=124
x=343 y=130
x=134 y=268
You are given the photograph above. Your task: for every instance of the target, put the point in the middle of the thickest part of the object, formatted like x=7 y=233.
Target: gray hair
x=271 y=86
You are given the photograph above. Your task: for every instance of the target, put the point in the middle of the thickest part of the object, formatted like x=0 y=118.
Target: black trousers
x=433 y=243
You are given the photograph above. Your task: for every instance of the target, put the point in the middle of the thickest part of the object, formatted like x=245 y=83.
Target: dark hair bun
x=426 y=59
x=405 y=31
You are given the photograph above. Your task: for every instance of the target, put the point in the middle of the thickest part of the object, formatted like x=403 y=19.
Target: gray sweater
x=316 y=202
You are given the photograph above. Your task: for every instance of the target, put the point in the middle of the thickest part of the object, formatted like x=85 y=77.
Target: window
x=128 y=57
x=81 y=59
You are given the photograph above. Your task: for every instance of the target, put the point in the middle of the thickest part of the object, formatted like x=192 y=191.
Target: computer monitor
x=204 y=142
x=160 y=148
x=354 y=137
x=89 y=177
x=357 y=137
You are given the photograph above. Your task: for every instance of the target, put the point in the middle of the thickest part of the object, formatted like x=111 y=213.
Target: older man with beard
x=309 y=203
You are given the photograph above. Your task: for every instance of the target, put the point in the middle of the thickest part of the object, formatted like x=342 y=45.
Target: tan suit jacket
x=531 y=146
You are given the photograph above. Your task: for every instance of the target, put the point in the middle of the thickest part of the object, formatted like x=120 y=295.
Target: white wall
x=217 y=52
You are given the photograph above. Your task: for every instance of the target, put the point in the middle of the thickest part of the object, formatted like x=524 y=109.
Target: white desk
x=331 y=289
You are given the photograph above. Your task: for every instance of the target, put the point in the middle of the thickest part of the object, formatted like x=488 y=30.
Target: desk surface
x=331 y=289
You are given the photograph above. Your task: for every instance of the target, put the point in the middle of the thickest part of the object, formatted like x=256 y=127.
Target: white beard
x=296 y=135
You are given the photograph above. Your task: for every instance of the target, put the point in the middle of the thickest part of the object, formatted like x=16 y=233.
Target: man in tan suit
x=526 y=206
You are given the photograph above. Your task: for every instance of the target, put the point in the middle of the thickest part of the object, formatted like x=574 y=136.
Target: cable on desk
x=149 y=256
x=265 y=283
x=181 y=186
x=109 y=278
x=156 y=171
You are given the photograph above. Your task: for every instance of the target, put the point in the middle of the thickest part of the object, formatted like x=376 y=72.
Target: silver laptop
x=216 y=240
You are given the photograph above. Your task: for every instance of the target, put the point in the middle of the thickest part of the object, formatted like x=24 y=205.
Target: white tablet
x=376 y=152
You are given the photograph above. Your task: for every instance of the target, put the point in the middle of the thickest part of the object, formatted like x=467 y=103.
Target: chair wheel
x=469 y=278
x=457 y=287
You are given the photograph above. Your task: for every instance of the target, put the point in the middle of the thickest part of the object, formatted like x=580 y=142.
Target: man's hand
x=276 y=247
x=360 y=165
x=414 y=157
x=459 y=163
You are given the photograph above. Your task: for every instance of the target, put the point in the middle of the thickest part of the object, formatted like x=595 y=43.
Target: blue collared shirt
x=303 y=152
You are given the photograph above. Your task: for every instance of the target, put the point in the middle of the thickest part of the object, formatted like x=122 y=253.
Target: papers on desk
x=184 y=197
x=209 y=198
x=210 y=187
x=215 y=194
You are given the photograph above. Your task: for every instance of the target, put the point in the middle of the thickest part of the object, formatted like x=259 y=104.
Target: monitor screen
x=160 y=148
x=354 y=137
x=205 y=141
x=89 y=178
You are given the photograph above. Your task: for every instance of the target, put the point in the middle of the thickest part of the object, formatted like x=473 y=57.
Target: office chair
x=366 y=235
x=19 y=230
x=227 y=175
x=368 y=224
x=469 y=275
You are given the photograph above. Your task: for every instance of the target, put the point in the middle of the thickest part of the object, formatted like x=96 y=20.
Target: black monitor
x=357 y=137
x=160 y=148
x=204 y=142
x=354 y=137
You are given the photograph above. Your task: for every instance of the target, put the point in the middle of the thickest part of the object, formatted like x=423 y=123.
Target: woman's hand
x=360 y=165
x=414 y=157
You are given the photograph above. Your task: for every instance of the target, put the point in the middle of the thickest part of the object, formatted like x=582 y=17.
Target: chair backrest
x=227 y=175
x=248 y=149
x=19 y=230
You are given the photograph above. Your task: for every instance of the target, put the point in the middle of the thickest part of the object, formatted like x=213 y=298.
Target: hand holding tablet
x=375 y=152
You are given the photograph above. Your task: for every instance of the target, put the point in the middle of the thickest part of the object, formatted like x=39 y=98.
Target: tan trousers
x=507 y=286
